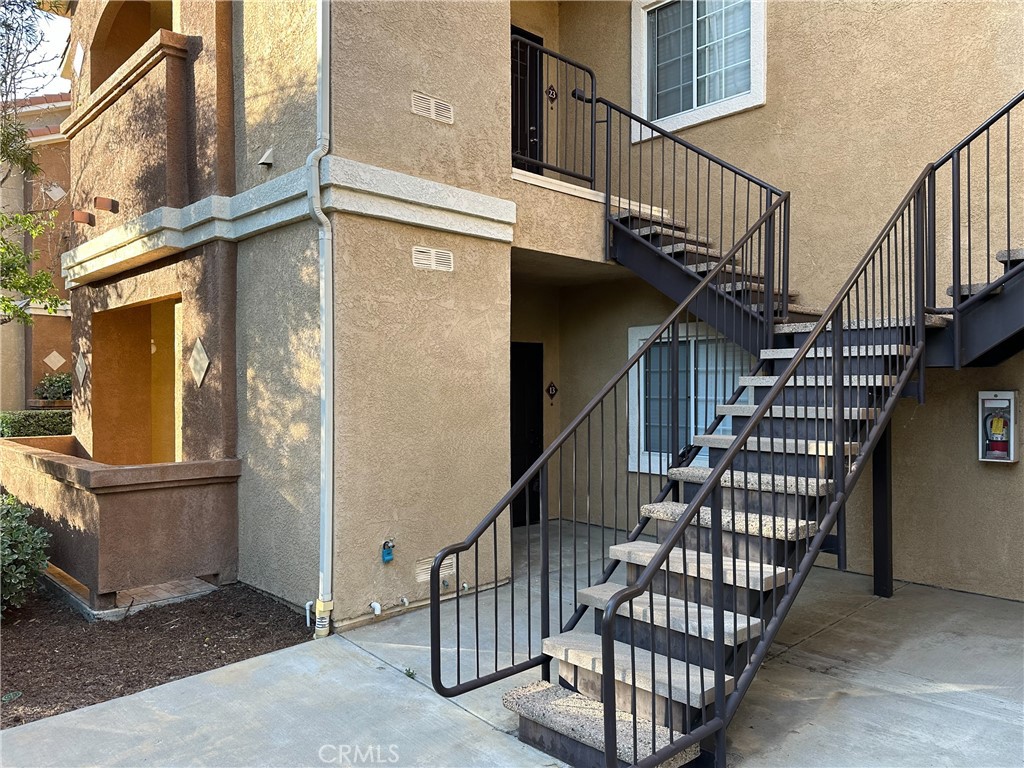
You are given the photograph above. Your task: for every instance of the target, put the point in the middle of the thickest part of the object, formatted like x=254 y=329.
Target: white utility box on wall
x=997 y=426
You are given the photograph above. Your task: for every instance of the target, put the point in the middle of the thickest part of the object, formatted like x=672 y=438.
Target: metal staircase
x=648 y=588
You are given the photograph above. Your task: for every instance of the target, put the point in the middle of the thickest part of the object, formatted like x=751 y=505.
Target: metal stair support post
x=881 y=499
x=955 y=216
x=769 y=278
x=718 y=610
x=673 y=440
x=545 y=570
x=839 y=430
x=920 y=238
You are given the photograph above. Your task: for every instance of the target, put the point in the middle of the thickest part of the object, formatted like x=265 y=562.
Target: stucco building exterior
x=198 y=304
x=29 y=352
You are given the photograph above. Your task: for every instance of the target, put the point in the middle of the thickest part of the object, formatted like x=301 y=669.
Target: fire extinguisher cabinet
x=997 y=426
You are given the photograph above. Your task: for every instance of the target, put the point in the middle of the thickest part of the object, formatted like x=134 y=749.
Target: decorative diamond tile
x=80 y=368
x=55 y=360
x=199 y=362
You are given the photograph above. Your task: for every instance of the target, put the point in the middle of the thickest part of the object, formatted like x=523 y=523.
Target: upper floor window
x=695 y=60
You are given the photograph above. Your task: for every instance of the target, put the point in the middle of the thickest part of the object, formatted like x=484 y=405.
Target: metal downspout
x=324 y=601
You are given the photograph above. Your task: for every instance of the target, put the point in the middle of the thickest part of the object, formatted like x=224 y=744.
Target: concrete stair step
x=625 y=208
x=751 y=285
x=862 y=350
x=1011 y=258
x=690 y=684
x=678 y=615
x=698 y=250
x=738 y=573
x=930 y=321
x=777 y=445
x=674 y=231
x=798 y=412
x=751 y=524
x=973 y=289
x=754 y=481
x=870 y=380
x=581 y=719
x=797 y=313
x=704 y=267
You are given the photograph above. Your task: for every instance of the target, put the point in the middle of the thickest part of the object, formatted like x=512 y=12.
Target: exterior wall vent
x=423 y=568
x=433 y=258
x=435 y=109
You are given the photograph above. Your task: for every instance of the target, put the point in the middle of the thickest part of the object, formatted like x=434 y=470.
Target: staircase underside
x=991 y=329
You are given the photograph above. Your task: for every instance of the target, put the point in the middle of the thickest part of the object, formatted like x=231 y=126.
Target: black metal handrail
x=701 y=202
x=857 y=306
x=560 y=138
x=962 y=144
x=669 y=332
x=661 y=133
x=976 y=204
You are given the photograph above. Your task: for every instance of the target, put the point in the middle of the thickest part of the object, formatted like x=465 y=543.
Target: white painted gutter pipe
x=325 y=599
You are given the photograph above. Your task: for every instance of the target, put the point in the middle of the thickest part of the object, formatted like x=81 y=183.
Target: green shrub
x=54 y=386
x=22 y=553
x=34 y=423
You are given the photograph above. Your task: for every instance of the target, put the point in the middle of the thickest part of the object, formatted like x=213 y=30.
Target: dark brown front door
x=527 y=427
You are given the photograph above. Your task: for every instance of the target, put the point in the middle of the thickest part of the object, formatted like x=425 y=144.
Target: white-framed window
x=696 y=60
x=709 y=371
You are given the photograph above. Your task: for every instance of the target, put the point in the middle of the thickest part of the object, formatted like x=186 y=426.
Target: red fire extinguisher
x=997 y=436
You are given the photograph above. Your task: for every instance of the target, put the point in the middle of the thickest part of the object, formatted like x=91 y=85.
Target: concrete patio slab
x=927 y=678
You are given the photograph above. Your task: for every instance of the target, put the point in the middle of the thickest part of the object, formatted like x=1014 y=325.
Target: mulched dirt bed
x=59 y=661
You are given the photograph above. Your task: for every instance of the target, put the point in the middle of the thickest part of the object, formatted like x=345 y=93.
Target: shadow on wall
x=258 y=319
x=278 y=338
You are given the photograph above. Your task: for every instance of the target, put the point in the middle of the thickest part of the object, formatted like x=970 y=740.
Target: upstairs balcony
x=129 y=137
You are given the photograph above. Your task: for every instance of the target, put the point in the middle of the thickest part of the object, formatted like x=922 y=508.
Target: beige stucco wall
x=544 y=218
x=279 y=412
x=538 y=18
x=957 y=522
x=275 y=87
x=12 y=367
x=454 y=51
x=860 y=95
x=421 y=382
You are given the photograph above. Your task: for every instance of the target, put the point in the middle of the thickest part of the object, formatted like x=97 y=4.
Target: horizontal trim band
x=350 y=187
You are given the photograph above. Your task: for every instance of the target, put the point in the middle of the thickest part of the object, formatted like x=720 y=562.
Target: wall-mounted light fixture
x=83 y=217
x=268 y=158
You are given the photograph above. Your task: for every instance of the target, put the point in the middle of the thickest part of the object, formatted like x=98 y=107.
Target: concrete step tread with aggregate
x=777 y=445
x=582 y=719
x=678 y=615
x=756 y=481
x=869 y=380
x=750 y=523
x=858 y=350
x=740 y=573
x=672 y=679
x=798 y=412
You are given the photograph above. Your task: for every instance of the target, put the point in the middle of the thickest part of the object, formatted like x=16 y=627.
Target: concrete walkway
x=320 y=703
x=928 y=678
